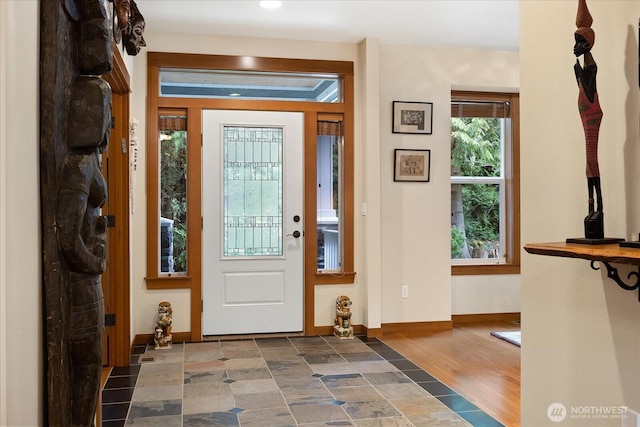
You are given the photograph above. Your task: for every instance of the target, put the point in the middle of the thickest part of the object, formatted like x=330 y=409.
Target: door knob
x=295 y=234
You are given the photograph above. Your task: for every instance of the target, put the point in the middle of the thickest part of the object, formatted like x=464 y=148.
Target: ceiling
x=475 y=24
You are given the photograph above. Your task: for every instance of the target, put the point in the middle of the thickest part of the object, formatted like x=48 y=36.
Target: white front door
x=252 y=250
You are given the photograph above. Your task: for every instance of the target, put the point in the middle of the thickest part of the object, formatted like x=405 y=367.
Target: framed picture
x=412 y=165
x=412 y=117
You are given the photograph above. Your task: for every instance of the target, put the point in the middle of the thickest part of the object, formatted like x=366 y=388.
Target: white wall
x=581 y=341
x=416 y=217
x=21 y=350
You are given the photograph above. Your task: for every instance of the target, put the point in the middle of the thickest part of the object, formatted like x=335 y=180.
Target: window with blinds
x=481 y=186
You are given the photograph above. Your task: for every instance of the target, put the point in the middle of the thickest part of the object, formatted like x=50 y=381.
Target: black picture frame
x=411 y=165
x=412 y=117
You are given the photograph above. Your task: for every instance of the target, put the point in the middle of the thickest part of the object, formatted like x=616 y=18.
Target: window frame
x=313 y=112
x=511 y=177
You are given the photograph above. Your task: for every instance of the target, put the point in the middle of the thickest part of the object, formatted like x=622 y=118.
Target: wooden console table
x=606 y=254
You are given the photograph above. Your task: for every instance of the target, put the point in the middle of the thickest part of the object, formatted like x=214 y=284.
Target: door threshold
x=251 y=336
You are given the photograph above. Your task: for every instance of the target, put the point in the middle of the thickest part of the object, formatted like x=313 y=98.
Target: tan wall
x=416 y=217
x=581 y=341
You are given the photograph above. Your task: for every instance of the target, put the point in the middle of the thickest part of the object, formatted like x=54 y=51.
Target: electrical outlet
x=405 y=291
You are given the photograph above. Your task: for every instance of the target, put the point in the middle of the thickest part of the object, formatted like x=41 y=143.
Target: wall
x=21 y=363
x=581 y=341
x=404 y=237
x=368 y=245
x=416 y=216
x=485 y=294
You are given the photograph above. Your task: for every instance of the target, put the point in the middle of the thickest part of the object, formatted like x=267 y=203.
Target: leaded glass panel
x=252 y=191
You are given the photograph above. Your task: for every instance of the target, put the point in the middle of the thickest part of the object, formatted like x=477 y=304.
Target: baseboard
x=416 y=326
x=388 y=327
x=374 y=332
x=486 y=317
x=141 y=339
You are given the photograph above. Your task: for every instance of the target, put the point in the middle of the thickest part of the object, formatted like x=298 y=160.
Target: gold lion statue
x=162 y=335
x=343 y=328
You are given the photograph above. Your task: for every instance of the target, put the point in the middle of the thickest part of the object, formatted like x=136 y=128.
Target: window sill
x=169 y=282
x=335 y=278
x=487 y=269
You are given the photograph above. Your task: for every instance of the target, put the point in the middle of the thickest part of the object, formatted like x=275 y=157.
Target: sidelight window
x=173 y=191
x=329 y=195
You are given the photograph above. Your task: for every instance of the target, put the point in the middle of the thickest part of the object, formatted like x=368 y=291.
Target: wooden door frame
x=313 y=111
x=118 y=185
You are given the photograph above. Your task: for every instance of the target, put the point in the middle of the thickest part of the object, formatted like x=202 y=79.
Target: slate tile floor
x=269 y=382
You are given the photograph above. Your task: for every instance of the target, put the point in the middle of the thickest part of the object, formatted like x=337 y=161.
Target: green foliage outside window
x=173 y=192
x=475 y=208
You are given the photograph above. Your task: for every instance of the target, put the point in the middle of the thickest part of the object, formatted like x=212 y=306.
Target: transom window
x=249 y=85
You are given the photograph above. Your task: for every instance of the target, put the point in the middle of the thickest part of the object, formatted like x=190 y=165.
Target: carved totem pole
x=76 y=39
x=75 y=121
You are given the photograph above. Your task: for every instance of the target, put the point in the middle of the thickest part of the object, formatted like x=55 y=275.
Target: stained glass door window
x=252 y=191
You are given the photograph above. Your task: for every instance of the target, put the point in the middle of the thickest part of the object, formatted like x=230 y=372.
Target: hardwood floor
x=482 y=368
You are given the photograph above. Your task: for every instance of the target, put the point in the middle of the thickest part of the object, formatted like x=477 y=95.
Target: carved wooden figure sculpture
x=82 y=238
x=132 y=39
x=76 y=38
x=591 y=116
x=121 y=15
x=75 y=125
